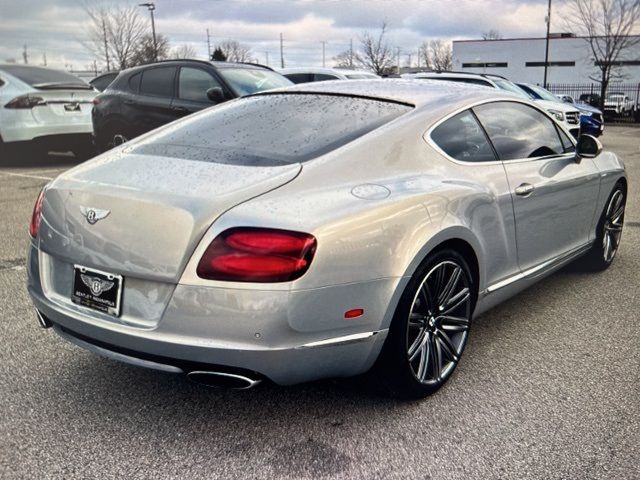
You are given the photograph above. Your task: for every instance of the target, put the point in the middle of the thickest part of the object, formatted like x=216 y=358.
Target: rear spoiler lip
x=62 y=86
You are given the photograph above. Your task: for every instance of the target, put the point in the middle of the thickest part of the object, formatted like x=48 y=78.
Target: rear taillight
x=25 y=102
x=34 y=226
x=249 y=254
x=96 y=101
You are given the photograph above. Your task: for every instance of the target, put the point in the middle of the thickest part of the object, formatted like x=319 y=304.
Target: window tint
x=462 y=138
x=299 y=77
x=134 y=82
x=277 y=129
x=103 y=82
x=194 y=83
x=519 y=131
x=321 y=77
x=158 y=82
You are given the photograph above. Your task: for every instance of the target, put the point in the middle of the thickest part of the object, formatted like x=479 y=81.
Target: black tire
x=421 y=305
x=610 y=225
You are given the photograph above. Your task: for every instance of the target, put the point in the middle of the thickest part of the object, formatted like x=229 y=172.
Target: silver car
x=321 y=230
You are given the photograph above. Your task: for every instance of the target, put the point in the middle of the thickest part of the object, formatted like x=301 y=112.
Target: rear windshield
x=271 y=130
x=44 y=77
x=245 y=81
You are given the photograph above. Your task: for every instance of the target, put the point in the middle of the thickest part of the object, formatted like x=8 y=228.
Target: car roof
x=401 y=90
x=183 y=61
x=343 y=71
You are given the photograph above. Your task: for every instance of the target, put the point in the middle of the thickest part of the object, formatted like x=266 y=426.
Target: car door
x=152 y=106
x=552 y=190
x=193 y=83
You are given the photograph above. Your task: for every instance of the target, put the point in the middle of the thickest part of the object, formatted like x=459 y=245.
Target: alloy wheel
x=613 y=222
x=439 y=321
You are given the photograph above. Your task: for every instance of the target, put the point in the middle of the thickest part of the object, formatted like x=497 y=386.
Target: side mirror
x=215 y=94
x=588 y=146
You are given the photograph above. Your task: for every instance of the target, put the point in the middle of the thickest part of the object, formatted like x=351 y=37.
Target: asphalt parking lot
x=549 y=387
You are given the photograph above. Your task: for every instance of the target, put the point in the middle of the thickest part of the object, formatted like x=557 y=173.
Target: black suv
x=146 y=97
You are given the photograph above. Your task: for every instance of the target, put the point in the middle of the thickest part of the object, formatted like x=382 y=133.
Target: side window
x=299 y=77
x=193 y=84
x=158 y=82
x=1 y=82
x=462 y=138
x=567 y=144
x=518 y=130
x=321 y=77
x=134 y=82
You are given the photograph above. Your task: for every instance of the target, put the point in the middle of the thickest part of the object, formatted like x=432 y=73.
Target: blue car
x=591 y=118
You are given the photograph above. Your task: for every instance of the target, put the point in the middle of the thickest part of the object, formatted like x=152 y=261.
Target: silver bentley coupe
x=320 y=230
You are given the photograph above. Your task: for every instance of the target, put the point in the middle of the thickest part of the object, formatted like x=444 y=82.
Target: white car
x=565 y=114
x=617 y=103
x=318 y=74
x=47 y=109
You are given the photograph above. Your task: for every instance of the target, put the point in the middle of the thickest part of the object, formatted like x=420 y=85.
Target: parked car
x=143 y=98
x=563 y=114
x=101 y=82
x=592 y=99
x=369 y=234
x=619 y=104
x=316 y=74
x=591 y=118
x=44 y=109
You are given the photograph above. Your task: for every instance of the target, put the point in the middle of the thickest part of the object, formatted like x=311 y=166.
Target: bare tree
x=343 y=60
x=436 y=55
x=235 y=51
x=145 y=51
x=492 y=35
x=115 y=34
x=183 y=51
x=607 y=26
x=376 y=54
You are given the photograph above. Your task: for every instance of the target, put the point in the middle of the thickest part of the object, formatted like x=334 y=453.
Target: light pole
x=151 y=7
x=546 y=48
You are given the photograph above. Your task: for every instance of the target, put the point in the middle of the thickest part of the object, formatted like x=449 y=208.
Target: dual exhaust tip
x=223 y=380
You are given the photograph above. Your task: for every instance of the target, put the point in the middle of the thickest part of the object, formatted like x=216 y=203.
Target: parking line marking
x=25 y=175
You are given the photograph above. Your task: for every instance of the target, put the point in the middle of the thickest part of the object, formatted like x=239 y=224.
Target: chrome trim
x=138 y=362
x=427 y=135
x=250 y=383
x=538 y=268
x=44 y=323
x=356 y=337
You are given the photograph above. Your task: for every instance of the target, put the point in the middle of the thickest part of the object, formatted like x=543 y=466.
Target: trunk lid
x=64 y=106
x=159 y=207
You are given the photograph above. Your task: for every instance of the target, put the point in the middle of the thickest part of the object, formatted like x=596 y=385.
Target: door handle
x=525 y=189
x=180 y=109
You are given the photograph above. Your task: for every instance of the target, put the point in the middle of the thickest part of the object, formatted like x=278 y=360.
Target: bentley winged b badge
x=96 y=285
x=94 y=214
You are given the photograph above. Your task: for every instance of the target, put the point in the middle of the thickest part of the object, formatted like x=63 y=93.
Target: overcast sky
x=57 y=27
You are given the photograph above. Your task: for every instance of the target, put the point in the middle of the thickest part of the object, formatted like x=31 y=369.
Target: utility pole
x=351 y=53
x=323 y=42
x=398 y=58
x=44 y=58
x=151 y=7
x=266 y=54
x=25 y=54
x=106 y=48
x=546 y=52
x=281 y=52
x=208 y=45
x=409 y=58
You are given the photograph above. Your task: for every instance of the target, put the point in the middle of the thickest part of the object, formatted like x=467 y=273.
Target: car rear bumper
x=287 y=337
x=31 y=131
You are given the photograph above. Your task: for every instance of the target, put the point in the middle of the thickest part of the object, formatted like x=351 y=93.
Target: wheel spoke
x=447 y=291
x=424 y=360
x=615 y=218
x=447 y=346
x=453 y=324
x=455 y=302
x=417 y=344
x=436 y=358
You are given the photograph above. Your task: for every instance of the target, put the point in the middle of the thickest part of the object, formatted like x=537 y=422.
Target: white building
x=522 y=59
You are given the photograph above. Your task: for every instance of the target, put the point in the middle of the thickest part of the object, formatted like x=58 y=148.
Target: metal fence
x=590 y=93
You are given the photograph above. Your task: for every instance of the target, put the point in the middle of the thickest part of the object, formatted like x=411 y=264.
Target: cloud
x=58 y=27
